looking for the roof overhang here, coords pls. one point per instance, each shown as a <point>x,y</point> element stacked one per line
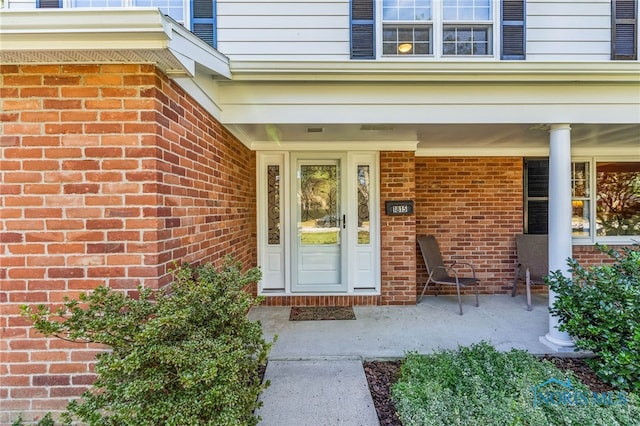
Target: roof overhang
<point>109,35</point>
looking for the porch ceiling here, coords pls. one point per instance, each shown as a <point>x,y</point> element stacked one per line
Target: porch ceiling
<point>444,139</point>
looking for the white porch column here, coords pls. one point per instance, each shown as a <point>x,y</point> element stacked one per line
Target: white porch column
<point>559,223</point>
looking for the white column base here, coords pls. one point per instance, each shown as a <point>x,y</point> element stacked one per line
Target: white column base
<point>562,346</point>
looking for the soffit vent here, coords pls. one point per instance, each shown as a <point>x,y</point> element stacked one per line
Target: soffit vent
<point>376,127</point>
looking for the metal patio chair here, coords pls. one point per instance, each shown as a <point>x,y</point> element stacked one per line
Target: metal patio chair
<point>440,274</point>
<point>533,262</point>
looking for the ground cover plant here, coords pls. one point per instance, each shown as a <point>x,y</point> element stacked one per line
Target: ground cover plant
<point>478,385</point>
<point>186,355</point>
<point>600,308</point>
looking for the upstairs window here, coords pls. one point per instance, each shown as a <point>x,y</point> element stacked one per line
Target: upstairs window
<point>467,27</point>
<point>173,8</point>
<point>407,27</point>
<point>201,22</point>
<point>96,3</point>
<point>438,28</point>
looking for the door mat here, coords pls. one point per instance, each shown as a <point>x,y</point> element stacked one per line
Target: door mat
<point>317,313</point>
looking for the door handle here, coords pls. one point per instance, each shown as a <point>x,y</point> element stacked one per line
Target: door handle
<point>344,221</point>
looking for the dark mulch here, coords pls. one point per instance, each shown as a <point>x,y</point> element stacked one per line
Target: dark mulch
<point>381,375</point>
<point>580,368</point>
<point>314,313</point>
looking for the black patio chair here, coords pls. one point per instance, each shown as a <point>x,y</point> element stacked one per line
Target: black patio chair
<point>441,274</point>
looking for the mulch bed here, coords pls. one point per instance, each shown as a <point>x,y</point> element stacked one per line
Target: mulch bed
<point>381,375</point>
<point>580,368</point>
<point>316,313</point>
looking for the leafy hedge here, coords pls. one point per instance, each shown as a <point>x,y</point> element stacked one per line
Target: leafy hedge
<point>600,308</point>
<point>187,355</point>
<point>478,385</point>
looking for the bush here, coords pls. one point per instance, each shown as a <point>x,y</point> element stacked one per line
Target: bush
<point>187,355</point>
<point>478,385</point>
<point>46,420</point>
<point>600,308</point>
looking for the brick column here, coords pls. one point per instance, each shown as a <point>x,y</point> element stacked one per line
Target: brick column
<point>398,233</point>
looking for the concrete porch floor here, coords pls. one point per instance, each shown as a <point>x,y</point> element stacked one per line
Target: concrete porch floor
<point>316,371</point>
<point>389,331</point>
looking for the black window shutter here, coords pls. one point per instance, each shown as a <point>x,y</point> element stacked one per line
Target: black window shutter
<point>536,195</point>
<point>49,4</point>
<point>513,29</point>
<point>624,29</point>
<point>363,29</point>
<point>203,20</point>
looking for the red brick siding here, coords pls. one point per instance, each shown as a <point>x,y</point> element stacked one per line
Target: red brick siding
<point>474,208</point>
<point>397,233</point>
<point>108,174</point>
<point>591,256</point>
<point>207,193</point>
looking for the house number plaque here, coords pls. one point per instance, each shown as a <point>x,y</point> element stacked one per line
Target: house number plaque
<point>399,208</point>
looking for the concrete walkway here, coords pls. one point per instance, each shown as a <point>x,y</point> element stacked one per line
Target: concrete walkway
<point>315,367</point>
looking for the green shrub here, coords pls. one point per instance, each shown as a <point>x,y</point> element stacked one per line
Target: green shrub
<point>600,308</point>
<point>187,355</point>
<point>478,385</point>
<point>46,420</point>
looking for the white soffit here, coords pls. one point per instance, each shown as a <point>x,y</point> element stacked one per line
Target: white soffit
<point>436,140</point>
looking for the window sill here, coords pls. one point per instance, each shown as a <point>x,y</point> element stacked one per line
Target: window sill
<point>608,242</point>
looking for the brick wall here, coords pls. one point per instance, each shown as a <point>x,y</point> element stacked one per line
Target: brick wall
<point>108,174</point>
<point>474,208</point>
<point>590,255</point>
<point>398,233</point>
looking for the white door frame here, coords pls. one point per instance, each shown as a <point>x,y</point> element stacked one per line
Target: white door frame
<point>361,261</point>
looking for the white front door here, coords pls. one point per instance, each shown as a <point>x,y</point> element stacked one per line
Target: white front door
<point>319,225</point>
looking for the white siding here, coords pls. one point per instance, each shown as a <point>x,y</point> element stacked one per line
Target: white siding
<point>283,30</point>
<point>568,30</point>
<point>288,30</point>
<point>20,4</point>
